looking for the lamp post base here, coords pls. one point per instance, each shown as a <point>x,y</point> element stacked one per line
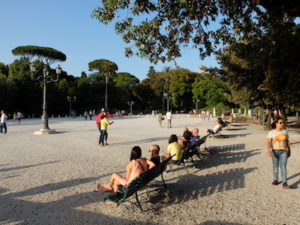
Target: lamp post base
<point>44,132</point>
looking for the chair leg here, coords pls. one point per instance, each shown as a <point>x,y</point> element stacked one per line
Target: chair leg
<point>162,177</point>
<point>192,159</point>
<point>138,204</point>
<point>198,155</point>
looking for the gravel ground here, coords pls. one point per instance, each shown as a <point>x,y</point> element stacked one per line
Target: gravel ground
<point>50,179</point>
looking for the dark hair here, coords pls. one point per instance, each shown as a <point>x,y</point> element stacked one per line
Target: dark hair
<point>187,135</point>
<point>136,153</point>
<point>103,116</point>
<point>276,120</point>
<point>220,121</point>
<point>157,147</point>
<point>173,138</point>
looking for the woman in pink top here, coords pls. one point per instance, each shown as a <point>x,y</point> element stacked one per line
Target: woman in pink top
<point>136,167</point>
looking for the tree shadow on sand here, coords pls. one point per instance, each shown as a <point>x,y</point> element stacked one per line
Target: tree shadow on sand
<point>24,167</point>
<point>137,142</point>
<point>17,208</point>
<point>219,223</point>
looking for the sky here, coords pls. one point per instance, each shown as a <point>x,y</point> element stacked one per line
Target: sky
<point>66,25</point>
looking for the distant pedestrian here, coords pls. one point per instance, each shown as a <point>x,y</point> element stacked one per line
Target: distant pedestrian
<point>278,147</point>
<point>91,114</point>
<point>160,118</point>
<point>169,119</point>
<point>203,116</point>
<point>85,114</point>
<point>3,119</point>
<point>15,117</point>
<point>19,117</point>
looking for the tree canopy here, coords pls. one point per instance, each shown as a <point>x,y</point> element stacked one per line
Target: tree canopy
<point>268,71</point>
<point>45,54</point>
<point>104,66</point>
<point>160,29</point>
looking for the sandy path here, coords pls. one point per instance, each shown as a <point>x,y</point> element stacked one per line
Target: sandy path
<point>50,179</point>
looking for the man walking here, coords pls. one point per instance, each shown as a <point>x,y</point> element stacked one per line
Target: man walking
<point>169,119</point>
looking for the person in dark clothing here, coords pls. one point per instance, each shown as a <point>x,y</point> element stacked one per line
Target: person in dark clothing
<point>154,154</point>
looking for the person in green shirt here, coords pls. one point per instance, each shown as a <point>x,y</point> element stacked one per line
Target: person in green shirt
<point>103,130</point>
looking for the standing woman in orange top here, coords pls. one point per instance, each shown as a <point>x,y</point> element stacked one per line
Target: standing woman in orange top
<point>278,147</point>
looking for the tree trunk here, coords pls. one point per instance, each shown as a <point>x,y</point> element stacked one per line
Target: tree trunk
<point>269,116</point>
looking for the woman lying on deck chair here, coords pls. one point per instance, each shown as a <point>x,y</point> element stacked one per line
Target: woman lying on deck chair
<point>217,128</point>
<point>136,167</point>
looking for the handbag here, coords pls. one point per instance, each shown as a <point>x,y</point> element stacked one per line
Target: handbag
<point>288,153</point>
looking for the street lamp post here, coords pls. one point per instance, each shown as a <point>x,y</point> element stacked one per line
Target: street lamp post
<point>45,78</point>
<point>106,81</point>
<point>131,103</point>
<point>167,97</point>
<point>71,99</point>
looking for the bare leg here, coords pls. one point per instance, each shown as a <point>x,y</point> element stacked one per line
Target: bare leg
<point>113,184</point>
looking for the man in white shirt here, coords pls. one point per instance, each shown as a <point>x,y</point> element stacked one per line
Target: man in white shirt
<point>169,119</point>
<point>3,127</point>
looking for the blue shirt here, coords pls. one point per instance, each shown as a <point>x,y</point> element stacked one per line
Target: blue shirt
<point>194,138</point>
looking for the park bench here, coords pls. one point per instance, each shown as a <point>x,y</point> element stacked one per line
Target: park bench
<point>137,184</point>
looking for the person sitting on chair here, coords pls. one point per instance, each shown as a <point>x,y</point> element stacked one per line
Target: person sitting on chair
<point>195,136</point>
<point>173,149</point>
<point>154,154</point>
<point>217,127</point>
<point>185,140</point>
<point>136,167</point>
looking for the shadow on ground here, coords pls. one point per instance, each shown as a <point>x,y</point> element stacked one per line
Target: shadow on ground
<point>17,210</point>
<point>295,184</point>
<point>219,223</point>
<point>227,158</point>
<point>24,167</point>
<point>137,142</point>
<point>192,187</point>
<point>226,148</point>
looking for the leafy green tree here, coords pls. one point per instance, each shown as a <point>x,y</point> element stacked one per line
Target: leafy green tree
<point>105,68</point>
<point>25,91</point>
<point>159,29</point>
<point>125,80</point>
<point>180,86</point>
<point>4,69</point>
<point>47,56</point>
<point>44,54</point>
<point>266,70</point>
<point>211,92</point>
<point>151,71</point>
<point>83,74</point>
<point>145,98</point>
